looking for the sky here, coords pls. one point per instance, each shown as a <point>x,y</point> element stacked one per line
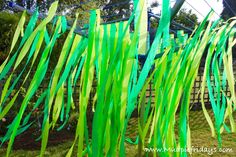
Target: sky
<point>200,5</point>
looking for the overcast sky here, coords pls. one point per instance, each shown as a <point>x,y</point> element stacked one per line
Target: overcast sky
<point>200,5</point>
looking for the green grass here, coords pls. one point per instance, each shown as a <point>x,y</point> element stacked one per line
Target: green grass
<point>54,151</point>
<point>200,136</point>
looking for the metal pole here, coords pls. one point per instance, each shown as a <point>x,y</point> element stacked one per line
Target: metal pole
<point>175,9</point>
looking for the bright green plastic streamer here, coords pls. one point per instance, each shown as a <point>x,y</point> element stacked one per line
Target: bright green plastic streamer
<point>108,60</point>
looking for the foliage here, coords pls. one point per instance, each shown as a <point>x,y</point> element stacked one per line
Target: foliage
<point>83,7</point>
<point>8,23</point>
<point>155,4</point>
<point>110,56</point>
<point>1,4</point>
<point>121,11</point>
<point>110,10</point>
<point>229,9</point>
<point>186,18</point>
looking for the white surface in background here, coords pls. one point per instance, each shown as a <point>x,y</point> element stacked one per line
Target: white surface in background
<point>200,5</point>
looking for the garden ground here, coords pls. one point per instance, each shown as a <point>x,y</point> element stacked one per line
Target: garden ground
<point>60,142</point>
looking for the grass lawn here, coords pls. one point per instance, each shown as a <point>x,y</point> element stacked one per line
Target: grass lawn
<point>200,133</point>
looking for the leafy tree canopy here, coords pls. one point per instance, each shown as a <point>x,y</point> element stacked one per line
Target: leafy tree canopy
<point>229,9</point>
<point>66,7</point>
<point>111,9</point>
<point>186,18</point>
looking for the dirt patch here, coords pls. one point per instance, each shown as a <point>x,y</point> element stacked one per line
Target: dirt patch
<point>28,139</point>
